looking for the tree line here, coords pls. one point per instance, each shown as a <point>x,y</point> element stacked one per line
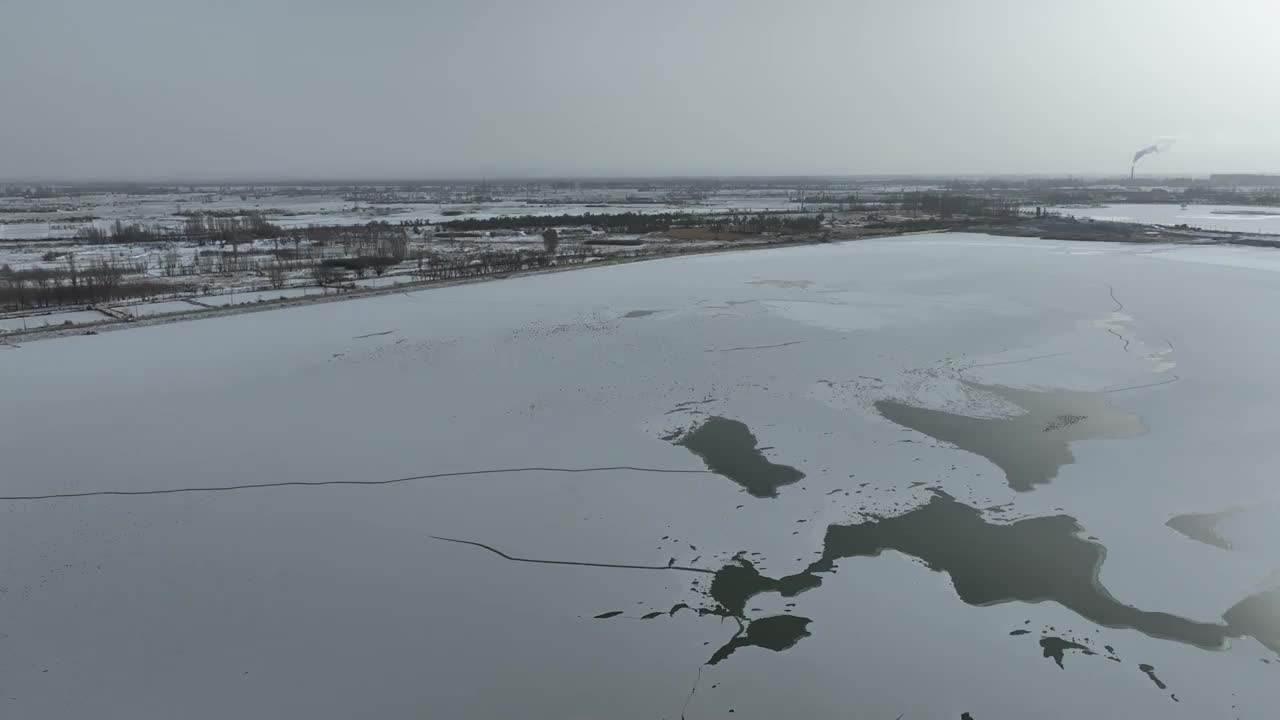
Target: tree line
<point>99,281</point>
<point>756,223</point>
<point>198,228</point>
<point>946,204</point>
<point>628,222</point>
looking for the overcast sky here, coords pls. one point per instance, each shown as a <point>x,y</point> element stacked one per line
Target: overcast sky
<point>262,89</point>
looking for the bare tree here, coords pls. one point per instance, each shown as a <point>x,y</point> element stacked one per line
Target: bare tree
<point>235,238</point>
<point>323,274</point>
<point>275,273</point>
<point>103,277</point>
<point>169,262</point>
<point>398,247</point>
<point>71,270</point>
<point>550,240</point>
<point>194,229</point>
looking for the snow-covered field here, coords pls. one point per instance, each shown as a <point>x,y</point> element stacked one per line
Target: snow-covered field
<point>49,319</point>
<point>165,307</point>
<point>384,281</point>
<point>225,299</point>
<point>1231,218</point>
<point>295,211</point>
<point>45,235</point>
<point>1012,422</point>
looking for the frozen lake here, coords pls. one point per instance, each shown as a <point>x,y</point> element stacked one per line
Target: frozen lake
<point>911,477</point>
<point>1233,218</point>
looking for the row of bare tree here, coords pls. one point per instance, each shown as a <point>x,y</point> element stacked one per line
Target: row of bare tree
<point>99,281</point>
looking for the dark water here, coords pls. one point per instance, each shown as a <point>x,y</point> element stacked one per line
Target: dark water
<point>728,448</point>
<point>640,313</point>
<point>1257,616</point>
<point>776,633</point>
<point>1201,527</point>
<point>731,587</point>
<point>1030,447</point>
<point>1031,560</point>
<point>1056,648</point>
<point>739,581</point>
<point>1150,672</point>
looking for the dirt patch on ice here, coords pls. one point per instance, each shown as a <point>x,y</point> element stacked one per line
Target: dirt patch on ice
<point>1029,446</point>
<point>1202,527</point>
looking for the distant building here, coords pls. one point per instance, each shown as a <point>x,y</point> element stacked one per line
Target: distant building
<point>1244,180</point>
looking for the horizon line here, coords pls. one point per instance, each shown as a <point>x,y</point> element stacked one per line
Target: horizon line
<point>535,178</point>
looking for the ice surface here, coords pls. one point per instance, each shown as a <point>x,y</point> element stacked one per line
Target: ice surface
<point>1234,218</point>
<point>324,602</point>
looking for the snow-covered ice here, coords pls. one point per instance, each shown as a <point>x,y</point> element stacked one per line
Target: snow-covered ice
<point>339,600</point>
<point>1232,218</point>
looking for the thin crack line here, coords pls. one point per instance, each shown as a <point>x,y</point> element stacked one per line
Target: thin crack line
<point>1173,379</point>
<point>1015,362</point>
<point>321,483</point>
<point>692,690</point>
<point>513,558</point>
<point>361,337</point>
<point>757,347</point>
<point>1119,305</point>
<point>1123,339</point>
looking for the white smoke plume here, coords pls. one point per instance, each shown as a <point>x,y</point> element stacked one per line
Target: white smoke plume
<point>1161,146</point>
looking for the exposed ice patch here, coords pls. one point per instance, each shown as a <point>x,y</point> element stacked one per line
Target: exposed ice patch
<point>936,388</point>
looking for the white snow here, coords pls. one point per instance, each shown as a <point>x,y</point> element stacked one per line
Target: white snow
<point>256,296</point>
<point>157,308</point>
<point>68,317</point>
